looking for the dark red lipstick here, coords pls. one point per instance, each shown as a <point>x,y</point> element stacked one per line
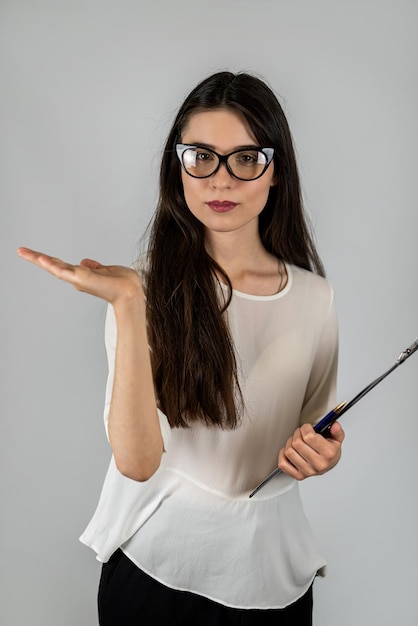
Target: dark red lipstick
<point>221,207</point>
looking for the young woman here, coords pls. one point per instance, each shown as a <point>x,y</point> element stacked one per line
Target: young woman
<point>222,348</point>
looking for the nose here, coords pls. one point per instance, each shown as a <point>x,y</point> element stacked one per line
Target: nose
<point>222,179</point>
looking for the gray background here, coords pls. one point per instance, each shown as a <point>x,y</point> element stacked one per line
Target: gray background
<point>88,91</point>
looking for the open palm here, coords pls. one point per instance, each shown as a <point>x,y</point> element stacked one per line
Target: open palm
<point>109,282</point>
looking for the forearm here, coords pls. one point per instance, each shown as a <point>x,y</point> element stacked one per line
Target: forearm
<point>133,425</point>
<point>134,430</point>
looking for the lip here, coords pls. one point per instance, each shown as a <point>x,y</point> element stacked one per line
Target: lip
<point>221,207</point>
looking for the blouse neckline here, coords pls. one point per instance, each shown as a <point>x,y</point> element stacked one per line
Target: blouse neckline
<point>273,296</point>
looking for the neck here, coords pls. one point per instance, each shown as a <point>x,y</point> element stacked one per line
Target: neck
<point>251,269</point>
<point>234,251</point>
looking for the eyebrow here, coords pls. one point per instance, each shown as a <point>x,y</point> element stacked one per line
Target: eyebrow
<point>209,146</point>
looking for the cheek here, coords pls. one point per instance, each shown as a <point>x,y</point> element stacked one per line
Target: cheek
<point>191,191</point>
<point>192,187</point>
<point>260,194</point>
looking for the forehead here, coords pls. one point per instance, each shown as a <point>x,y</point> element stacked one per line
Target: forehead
<point>221,129</point>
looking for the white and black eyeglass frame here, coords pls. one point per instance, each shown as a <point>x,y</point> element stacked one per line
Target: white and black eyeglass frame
<point>264,158</point>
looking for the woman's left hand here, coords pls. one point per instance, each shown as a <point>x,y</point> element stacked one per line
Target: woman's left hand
<point>307,453</point>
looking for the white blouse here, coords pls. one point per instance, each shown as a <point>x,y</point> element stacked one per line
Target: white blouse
<point>192,525</point>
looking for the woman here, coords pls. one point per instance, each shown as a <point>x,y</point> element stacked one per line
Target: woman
<point>215,378</point>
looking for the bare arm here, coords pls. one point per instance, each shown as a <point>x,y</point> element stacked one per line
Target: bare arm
<point>134,430</point>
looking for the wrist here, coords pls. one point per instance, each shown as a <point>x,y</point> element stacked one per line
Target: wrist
<point>130,301</point>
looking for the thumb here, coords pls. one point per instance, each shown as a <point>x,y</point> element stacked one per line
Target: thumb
<point>337,432</point>
<point>91,264</point>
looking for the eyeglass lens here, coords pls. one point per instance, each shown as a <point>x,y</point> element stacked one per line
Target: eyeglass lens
<point>245,164</point>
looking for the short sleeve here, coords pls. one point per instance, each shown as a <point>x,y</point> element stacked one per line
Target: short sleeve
<point>321,390</point>
<point>110,343</point>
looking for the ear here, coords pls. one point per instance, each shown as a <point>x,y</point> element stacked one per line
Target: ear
<point>274,181</point>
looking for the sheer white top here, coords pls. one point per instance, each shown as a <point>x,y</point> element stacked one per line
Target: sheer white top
<point>192,525</point>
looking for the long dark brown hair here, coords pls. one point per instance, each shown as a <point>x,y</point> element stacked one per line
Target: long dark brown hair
<point>192,353</point>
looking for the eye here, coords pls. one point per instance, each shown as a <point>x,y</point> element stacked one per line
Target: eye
<point>204,156</point>
<point>248,158</point>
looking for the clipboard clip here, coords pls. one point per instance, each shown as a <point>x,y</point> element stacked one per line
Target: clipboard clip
<point>407,352</point>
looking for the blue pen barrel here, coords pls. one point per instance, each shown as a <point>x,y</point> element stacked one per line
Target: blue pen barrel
<point>323,427</point>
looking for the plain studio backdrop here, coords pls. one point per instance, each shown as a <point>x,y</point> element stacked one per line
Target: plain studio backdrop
<point>88,91</point>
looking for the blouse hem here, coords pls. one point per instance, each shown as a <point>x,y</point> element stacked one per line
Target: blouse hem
<point>213,599</point>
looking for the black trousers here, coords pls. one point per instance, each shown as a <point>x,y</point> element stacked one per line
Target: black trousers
<point>129,597</point>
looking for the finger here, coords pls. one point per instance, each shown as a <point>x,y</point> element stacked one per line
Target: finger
<point>33,256</point>
<point>311,464</point>
<point>91,264</point>
<point>304,441</point>
<point>300,456</point>
<point>53,265</point>
<point>29,255</point>
<point>318,442</point>
<point>311,453</point>
<point>297,452</point>
<point>313,440</point>
<point>293,469</point>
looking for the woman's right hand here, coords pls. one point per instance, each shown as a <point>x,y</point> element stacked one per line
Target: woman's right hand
<point>113,283</point>
<point>133,426</point>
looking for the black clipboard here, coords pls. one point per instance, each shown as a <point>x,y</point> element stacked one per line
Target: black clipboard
<point>323,427</point>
